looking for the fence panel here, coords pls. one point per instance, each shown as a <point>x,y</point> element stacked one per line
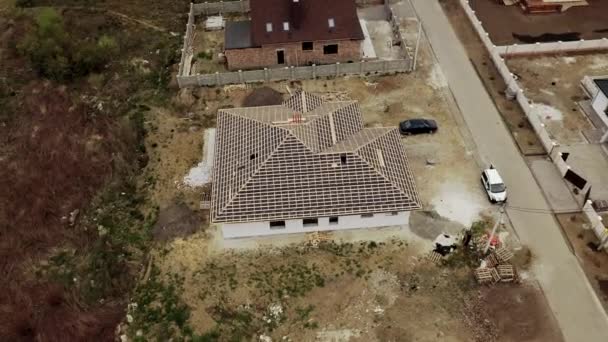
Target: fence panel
<point>553,47</point>
<point>253,76</point>
<point>211,8</point>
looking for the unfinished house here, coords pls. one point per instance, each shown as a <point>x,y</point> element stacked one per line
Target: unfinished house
<point>294,33</point>
<point>307,165</point>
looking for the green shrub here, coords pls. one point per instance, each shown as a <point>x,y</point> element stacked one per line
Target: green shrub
<point>55,55</point>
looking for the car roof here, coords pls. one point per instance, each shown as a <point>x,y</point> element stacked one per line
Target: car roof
<point>493,176</point>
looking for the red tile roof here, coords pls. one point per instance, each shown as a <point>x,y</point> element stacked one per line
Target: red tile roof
<point>308,21</point>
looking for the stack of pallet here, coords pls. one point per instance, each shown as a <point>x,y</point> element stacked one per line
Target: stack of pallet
<point>496,268</point>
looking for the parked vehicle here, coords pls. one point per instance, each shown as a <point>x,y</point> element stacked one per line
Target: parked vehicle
<point>417,126</point>
<point>494,186</point>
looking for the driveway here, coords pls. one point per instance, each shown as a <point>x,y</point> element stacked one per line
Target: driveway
<point>570,296</point>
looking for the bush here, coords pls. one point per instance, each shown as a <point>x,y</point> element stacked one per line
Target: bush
<point>56,56</point>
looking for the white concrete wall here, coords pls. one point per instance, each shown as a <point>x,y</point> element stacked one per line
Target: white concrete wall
<point>237,230</point>
<point>600,103</point>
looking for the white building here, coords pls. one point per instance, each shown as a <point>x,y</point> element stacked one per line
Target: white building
<point>307,165</point>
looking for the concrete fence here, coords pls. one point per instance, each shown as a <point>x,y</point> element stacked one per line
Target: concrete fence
<point>514,90</point>
<point>553,47</point>
<point>597,225</point>
<point>380,67</point>
<point>211,8</point>
<point>396,28</point>
<point>242,6</point>
<point>187,50</point>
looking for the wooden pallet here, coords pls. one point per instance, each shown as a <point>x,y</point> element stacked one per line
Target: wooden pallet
<point>492,260</point>
<point>434,257</point>
<point>495,275</point>
<point>507,273</point>
<point>503,254</point>
<point>205,201</point>
<point>487,275</point>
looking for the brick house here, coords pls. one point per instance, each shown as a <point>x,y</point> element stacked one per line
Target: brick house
<point>294,33</point>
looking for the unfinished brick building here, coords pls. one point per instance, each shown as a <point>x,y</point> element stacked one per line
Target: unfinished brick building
<point>307,165</point>
<point>294,33</point>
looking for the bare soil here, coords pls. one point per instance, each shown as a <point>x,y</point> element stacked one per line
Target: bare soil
<point>263,97</point>
<point>177,220</point>
<point>555,81</point>
<point>584,242</point>
<point>504,22</point>
<point>514,117</point>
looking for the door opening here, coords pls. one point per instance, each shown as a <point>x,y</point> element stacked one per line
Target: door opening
<point>280,57</point>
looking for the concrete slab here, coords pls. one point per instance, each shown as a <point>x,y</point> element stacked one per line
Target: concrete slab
<point>553,185</point>
<point>591,162</point>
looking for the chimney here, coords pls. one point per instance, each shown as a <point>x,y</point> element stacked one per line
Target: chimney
<point>295,13</point>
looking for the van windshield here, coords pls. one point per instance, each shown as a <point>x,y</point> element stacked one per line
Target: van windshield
<point>497,188</point>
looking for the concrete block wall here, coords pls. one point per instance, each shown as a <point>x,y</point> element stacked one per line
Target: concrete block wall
<point>597,225</point>
<point>296,73</point>
<point>211,8</point>
<point>242,6</point>
<point>553,47</point>
<point>266,56</point>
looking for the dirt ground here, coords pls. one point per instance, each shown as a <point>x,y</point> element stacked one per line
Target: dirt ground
<point>514,117</point>
<point>207,45</point>
<point>584,242</point>
<point>503,22</point>
<point>554,81</point>
<point>351,291</point>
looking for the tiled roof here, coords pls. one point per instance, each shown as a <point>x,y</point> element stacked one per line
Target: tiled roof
<point>279,162</point>
<point>308,20</point>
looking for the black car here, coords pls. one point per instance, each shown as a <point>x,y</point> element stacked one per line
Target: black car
<point>417,126</point>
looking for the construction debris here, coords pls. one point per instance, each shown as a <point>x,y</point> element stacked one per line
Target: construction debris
<point>315,238</point>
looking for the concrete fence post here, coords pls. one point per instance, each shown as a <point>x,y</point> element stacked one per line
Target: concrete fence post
<point>361,68</point>
<point>217,78</point>
<point>580,42</point>
<point>292,73</point>
<point>314,71</point>
<point>241,77</point>
<point>222,7</point>
<point>385,66</point>
<point>337,69</point>
<point>266,74</point>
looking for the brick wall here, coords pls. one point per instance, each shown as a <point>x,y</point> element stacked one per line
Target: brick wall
<point>266,56</point>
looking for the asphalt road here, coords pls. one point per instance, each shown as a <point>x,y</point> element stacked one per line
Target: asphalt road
<point>573,302</point>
